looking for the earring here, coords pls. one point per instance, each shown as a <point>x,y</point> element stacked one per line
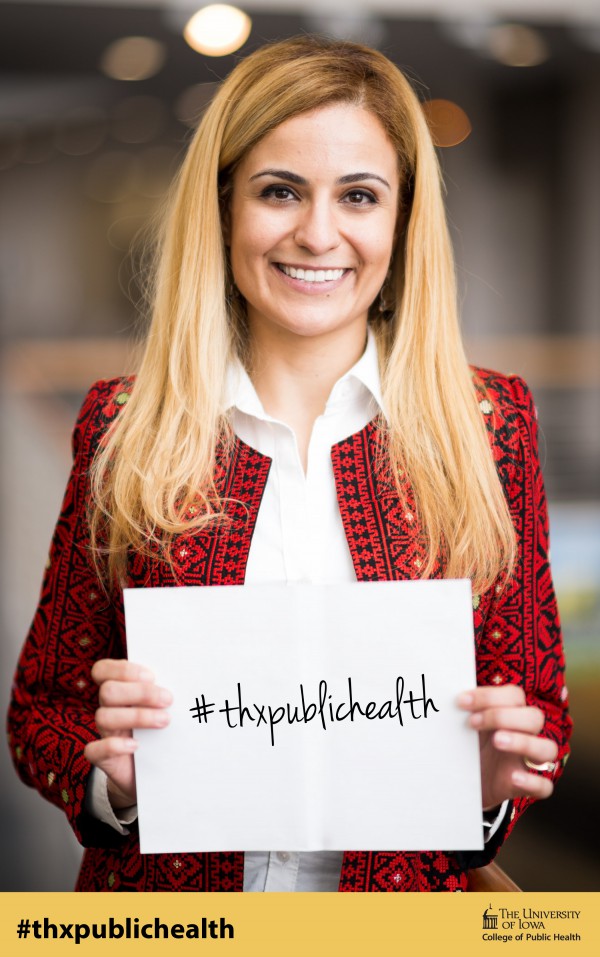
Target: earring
<point>386,305</point>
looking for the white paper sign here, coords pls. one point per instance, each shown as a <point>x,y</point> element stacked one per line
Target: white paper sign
<point>308,717</point>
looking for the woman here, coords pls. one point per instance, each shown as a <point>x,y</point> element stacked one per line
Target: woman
<point>305,293</point>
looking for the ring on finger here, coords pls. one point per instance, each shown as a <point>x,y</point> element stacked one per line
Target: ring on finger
<point>544,766</point>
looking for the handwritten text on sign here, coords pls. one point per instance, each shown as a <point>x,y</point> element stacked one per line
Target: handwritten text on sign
<point>308,717</point>
<point>238,715</point>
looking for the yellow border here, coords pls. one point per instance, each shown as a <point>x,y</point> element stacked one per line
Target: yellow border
<point>314,925</point>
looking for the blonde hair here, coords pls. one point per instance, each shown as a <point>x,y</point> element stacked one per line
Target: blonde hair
<point>153,477</point>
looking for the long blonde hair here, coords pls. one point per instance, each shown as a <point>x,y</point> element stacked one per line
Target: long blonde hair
<point>159,458</point>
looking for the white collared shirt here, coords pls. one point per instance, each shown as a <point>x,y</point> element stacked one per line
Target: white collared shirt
<point>299,537</point>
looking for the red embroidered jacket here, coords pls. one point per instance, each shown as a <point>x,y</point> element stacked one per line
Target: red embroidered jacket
<point>51,716</point>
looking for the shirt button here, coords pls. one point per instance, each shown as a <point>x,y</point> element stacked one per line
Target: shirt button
<point>283,856</point>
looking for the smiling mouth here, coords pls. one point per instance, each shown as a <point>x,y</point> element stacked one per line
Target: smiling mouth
<point>311,275</point>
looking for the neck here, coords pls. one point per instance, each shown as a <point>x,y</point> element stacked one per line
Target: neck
<point>294,379</point>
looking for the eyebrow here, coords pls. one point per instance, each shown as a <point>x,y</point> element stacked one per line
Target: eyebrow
<point>301,181</point>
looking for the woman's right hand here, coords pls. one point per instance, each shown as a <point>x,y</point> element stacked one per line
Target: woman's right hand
<point>129,699</point>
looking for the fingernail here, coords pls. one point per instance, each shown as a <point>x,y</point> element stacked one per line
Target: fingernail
<point>162,718</point>
<point>519,778</point>
<point>465,700</point>
<point>145,675</point>
<point>164,696</point>
<point>476,720</point>
<point>130,744</point>
<point>502,739</point>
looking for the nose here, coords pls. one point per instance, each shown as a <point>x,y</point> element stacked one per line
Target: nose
<point>317,228</point>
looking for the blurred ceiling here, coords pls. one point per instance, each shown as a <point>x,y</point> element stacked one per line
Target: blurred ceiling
<point>557,10</point>
<point>45,46</point>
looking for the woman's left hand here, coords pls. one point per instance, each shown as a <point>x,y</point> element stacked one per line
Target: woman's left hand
<point>508,735</point>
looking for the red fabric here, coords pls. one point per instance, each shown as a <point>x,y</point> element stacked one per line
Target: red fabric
<point>51,716</point>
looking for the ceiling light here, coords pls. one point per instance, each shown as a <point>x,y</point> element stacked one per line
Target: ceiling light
<point>133,58</point>
<point>512,44</point>
<point>516,45</point>
<point>217,30</point>
<point>448,122</point>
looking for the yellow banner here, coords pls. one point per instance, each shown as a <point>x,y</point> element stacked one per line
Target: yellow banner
<point>301,925</point>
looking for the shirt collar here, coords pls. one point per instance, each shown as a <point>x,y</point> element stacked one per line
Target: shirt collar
<point>365,372</point>
<point>240,393</point>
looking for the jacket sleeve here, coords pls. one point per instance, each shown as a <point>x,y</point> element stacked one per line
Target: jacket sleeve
<point>51,715</point>
<point>520,641</point>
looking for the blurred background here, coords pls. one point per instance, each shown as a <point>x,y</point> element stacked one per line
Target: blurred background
<point>98,99</point>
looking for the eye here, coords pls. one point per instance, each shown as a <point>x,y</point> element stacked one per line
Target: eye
<point>278,192</point>
<point>360,197</point>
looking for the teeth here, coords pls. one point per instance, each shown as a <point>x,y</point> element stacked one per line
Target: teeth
<point>312,275</point>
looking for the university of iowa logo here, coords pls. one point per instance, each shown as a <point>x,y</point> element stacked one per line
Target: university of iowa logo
<point>490,921</point>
